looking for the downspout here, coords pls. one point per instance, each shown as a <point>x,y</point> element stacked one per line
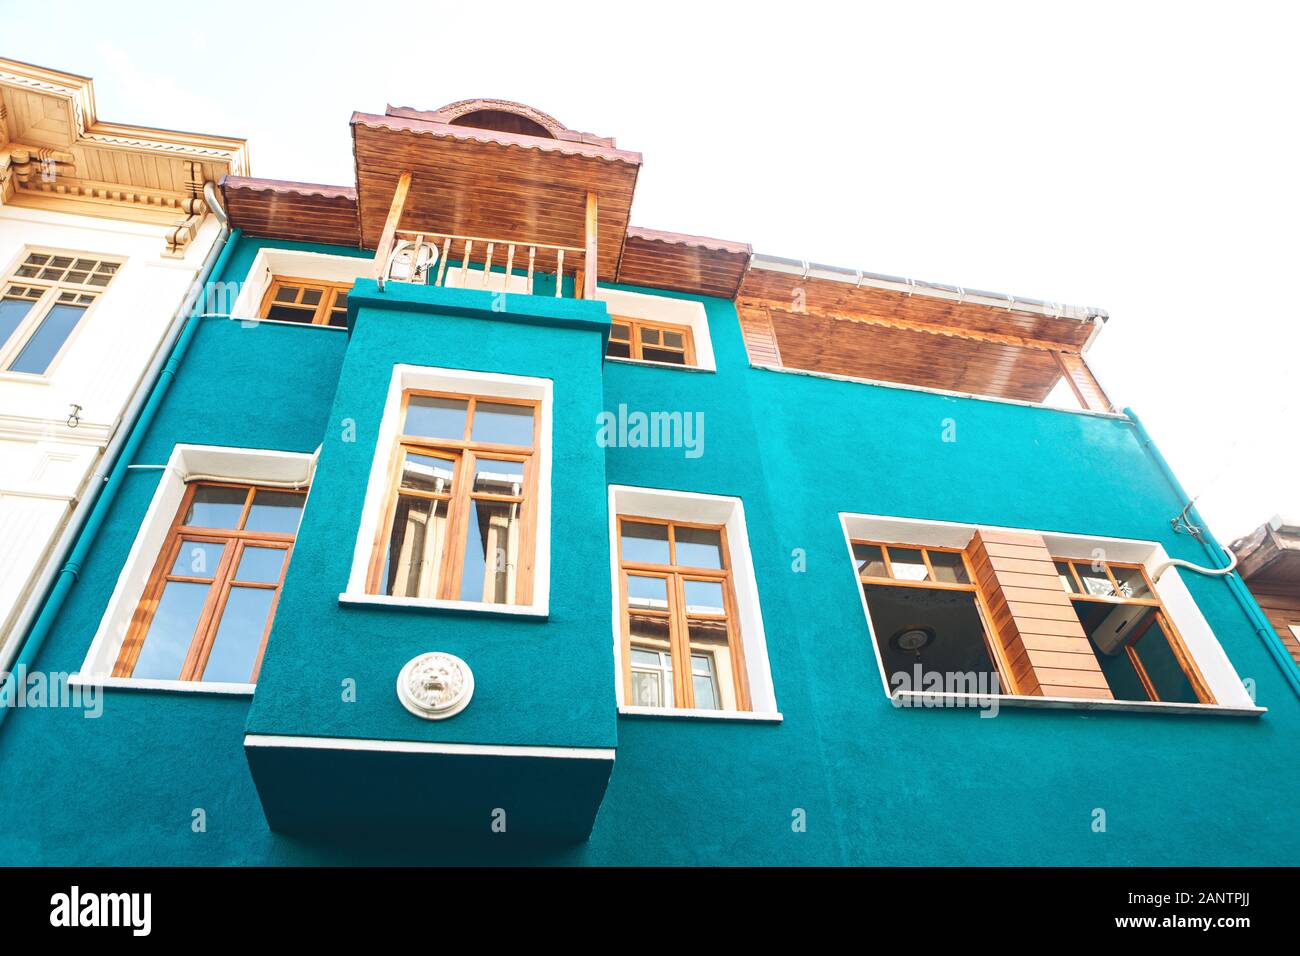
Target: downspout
<point>87,518</point>
<point>1216,552</point>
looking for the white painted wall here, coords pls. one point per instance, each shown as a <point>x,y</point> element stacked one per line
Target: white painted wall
<point>44,464</point>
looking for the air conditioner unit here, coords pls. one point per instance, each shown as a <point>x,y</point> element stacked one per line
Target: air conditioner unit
<point>411,262</point>
<point>1117,628</point>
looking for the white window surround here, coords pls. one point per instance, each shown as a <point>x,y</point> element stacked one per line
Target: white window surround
<point>186,463</point>
<point>291,263</point>
<point>705,509</point>
<point>1219,674</point>
<point>661,308</point>
<point>489,384</point>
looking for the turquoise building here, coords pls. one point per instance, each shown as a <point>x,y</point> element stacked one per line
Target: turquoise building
<point>469,523</point>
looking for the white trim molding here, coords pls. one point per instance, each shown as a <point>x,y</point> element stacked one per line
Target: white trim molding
<point>668,310</point>
<point>704,509</point>
<point>1220,676</point>
<point>488,385</point>
<point>423,747</point>
<point>186,463</point>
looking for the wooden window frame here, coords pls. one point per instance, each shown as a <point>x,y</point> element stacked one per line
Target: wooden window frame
<point>460,498</point>
<point>635,345</point>
<point>51,292</point>
<point>678,617</point>
<point>1162,619</point>
<point>330,292</point>
<point>234,541</point>
<point>995,650</point>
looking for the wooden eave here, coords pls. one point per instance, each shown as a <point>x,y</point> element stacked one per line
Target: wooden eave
<point>500,186</point>
<point>838,328</point>
<point>1269,557</point>
<point>117,170</point>
<point>301,212</point>
<point>683,263</point>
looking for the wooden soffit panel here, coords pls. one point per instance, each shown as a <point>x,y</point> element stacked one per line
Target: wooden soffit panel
<point>672,260</point>
<point>782,290</point>
<point>1269,557</point>
<point>303,212</point>
<point>53,148</point>
<point>492,185</point>
<point>819,343</point>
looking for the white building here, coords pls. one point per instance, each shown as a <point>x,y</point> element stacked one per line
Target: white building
<point>103,230</point>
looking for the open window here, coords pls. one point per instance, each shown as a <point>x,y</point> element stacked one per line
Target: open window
<point>1057,620</point>
<point>1136,644</point>
<point>926,614</point>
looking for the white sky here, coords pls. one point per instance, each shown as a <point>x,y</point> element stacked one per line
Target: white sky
<point>1143,160</point>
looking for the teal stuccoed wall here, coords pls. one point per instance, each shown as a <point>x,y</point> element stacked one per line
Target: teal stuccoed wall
<point>876,784</point>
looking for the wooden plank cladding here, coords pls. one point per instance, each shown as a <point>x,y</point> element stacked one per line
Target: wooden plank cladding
<point>913,338</point>
<point>1032,617</point>
<point>760,337</point>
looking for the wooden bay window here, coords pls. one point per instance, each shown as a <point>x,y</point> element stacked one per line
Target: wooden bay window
<point>208,606</point>
<point>460,516</point>
<point>680,638</point>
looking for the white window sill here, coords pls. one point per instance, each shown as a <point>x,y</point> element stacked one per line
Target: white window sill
<point>251,321</point>
<point>923,700</point>
<point>28,378</point>
<point>673,365</point>
<point>535,612</point>
<point>184,686</point>
<point>625,710</point>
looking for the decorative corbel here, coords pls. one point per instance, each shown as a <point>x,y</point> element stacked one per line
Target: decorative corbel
<point>182,234</point>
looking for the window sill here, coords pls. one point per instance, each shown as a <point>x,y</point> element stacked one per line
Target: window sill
<point>625,710</point>
<point>679,368</point>
<point>528,612</point>
<point>28,378</point>
<point>919,699</point>
<point>249,321</point>
<point>184,686</point>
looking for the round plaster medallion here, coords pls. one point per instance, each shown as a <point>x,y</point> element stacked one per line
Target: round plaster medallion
<point>435,685</point>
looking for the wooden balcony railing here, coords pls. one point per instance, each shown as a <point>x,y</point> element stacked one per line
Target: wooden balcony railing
<point>467,262</point>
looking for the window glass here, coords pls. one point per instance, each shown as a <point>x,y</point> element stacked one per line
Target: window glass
<point>645,543</point>
<point>1095,582</point>
<point>498,477</point>
<point>646,592</point>
<point>1132,583</point>
<point>275,512</point>
<point>1067,577</point>
<point>216,507</point>
<point>703,597</point>
<point>12,312</point>
<point>198,559</point>
<point>260,565</point>
<point>171,631</point>
<point>430,417</point>
<point>491,552</point>
<point>415,546</point>
<point>502,424</point>
<point>698,547</point>
<point>870,560</point>
<point>48,339</point>
<point>239,635</point>
<point>431,473</point>
<point>710,662</point>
